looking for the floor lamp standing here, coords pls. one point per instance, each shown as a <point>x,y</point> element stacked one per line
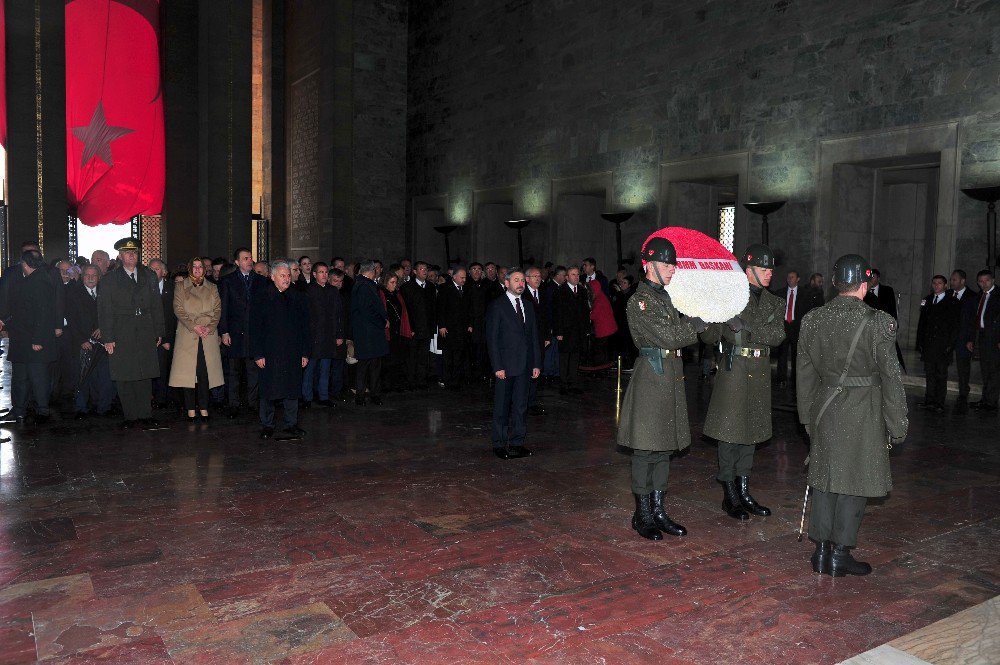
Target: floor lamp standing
<point>618,218</point>
<point>519,224</point>
<point>990,196</point>
<point>764,209</point>
<point>445,231</point>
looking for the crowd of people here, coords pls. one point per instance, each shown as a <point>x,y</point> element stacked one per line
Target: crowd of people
<point>111,336</point>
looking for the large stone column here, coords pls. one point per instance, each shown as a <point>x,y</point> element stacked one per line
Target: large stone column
<point>224,120</point>
<point>275,207</point>
<point>36,124</point>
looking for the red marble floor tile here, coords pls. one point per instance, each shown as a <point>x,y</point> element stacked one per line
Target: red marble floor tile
<point>147,649</point>
<point>79,626</point>
<point>260,637</point>
<point>371,651</point>
<point>442,642</point>
<point>17,640</point>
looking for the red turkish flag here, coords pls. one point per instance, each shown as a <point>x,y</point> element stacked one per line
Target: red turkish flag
<point>114,110</point>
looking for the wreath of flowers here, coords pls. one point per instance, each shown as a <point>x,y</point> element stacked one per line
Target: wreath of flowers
<point>708,282</point>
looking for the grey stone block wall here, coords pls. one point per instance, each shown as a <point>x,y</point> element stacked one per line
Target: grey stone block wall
<point>517,93</point>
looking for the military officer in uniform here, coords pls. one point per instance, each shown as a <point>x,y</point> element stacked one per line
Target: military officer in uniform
<point>739,414</point>
<point>654,419</point>
<point>130,317</point>
<point>851,401</point>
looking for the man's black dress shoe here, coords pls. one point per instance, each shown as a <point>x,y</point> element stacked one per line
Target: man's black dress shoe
<point>501,453</point>
<point>536,411</point>
<point>127,424</point>
<point>294,431</point>
<point>80,415</point>
<point>377,401</point>
<point>520,451</point>
<point>266,432</point>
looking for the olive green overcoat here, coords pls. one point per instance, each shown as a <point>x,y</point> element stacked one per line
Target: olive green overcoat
<point>130,314</point>
<point>848,452</point>
<point>740,408</point>
<point>654,412</point>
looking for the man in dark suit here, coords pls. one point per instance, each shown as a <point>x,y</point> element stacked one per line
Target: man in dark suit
<point>95,388</point>
<point>798,302</point>
<point>591,273</point>
<point>368,327</point>
<point>542,303</point>
<point>161,389</point>
<point>986,340</point>
<point>967,300</point>
<point>454,328</point>
<point>516,359</point>
<point>570,325</point>
<point>419,298</point>
<point>937,334</point>
<point>28,314</point>
<point>236,291</point>
<point>883,298</point>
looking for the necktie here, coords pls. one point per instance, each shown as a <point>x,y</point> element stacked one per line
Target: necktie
<point>133,278</point>
<point>982,306</point>
<point>517,306</point>
<point>790,311</point>
<point>534,296</point>
<point>460,289</point>
<point>93,294</point>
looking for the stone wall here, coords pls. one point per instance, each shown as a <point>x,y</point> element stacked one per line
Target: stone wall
<point>518,93</point>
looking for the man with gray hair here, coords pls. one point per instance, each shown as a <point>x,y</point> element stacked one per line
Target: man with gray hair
<point>279,345</point>
<point>101,259</point>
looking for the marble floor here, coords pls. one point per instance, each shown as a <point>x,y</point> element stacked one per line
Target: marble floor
<point>392,534</point>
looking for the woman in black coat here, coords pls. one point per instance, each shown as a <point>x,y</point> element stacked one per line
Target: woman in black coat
<point>399,334</point>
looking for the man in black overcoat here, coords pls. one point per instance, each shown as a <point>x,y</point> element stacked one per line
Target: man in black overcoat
<point>967,299</point>
<point>94,388</point>
<point>454,328</point>
<point>165,352</point>
<point>29,323</point>
<point>279,345</point>
<point>937,334</point>
<point>985,339</point>
<point>236,291</point>
<point>368,326</point>
<point>570,325</point>
<point>516,358</point>
<point>326,330</point>
<point>419,298</point>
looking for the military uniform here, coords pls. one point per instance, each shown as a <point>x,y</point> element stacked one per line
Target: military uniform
<point>739,414</point>
<point>130,314</point>
<point>852,404</point>
<point>654,419</point>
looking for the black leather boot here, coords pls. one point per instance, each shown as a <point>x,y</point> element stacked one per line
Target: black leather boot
<point>754,508</point>
<point>731,501</point>
<point>842,563</point>
<point>642,519</point>
<point>821,557</point>
<point>660,518</point>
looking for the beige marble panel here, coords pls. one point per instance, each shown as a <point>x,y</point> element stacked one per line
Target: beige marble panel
<point>971,637</point>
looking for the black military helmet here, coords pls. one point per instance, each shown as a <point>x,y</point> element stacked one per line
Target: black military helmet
<point>851,269</point>
<point>758,256</point>
<point>659,249</point>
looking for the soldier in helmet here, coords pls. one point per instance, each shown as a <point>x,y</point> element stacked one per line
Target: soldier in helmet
<point>851,401</point>
<point>654,420</point>
<point>739,414</point>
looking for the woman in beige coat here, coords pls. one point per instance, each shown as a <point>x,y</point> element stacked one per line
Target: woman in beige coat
<point>197,364</point>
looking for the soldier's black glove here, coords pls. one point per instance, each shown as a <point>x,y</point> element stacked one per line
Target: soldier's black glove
<point>699,325</point>
<point>896,440</point>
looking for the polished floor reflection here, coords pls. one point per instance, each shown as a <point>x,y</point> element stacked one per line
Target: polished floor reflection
<point>392,534</point>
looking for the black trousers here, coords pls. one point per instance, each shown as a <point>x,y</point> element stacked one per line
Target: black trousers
<point>836,517</point>
<point>30,380</point>
<point>735,459</point>
<point>199,393</point>
<point>510,403</point>
<point>456,362</point>
<point>936,372</point>
<point>989,361</point>
<point>787,351</point>
<point>65,370</point>
<point>569,368</point>
<point>964,366</point>
<point>161,387</point>
<point>368,375</point>
<point>418,361</point>
<point>650,470</point>
<point>478,359</point>
<point>136,398</point>
<point>234,369</point>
